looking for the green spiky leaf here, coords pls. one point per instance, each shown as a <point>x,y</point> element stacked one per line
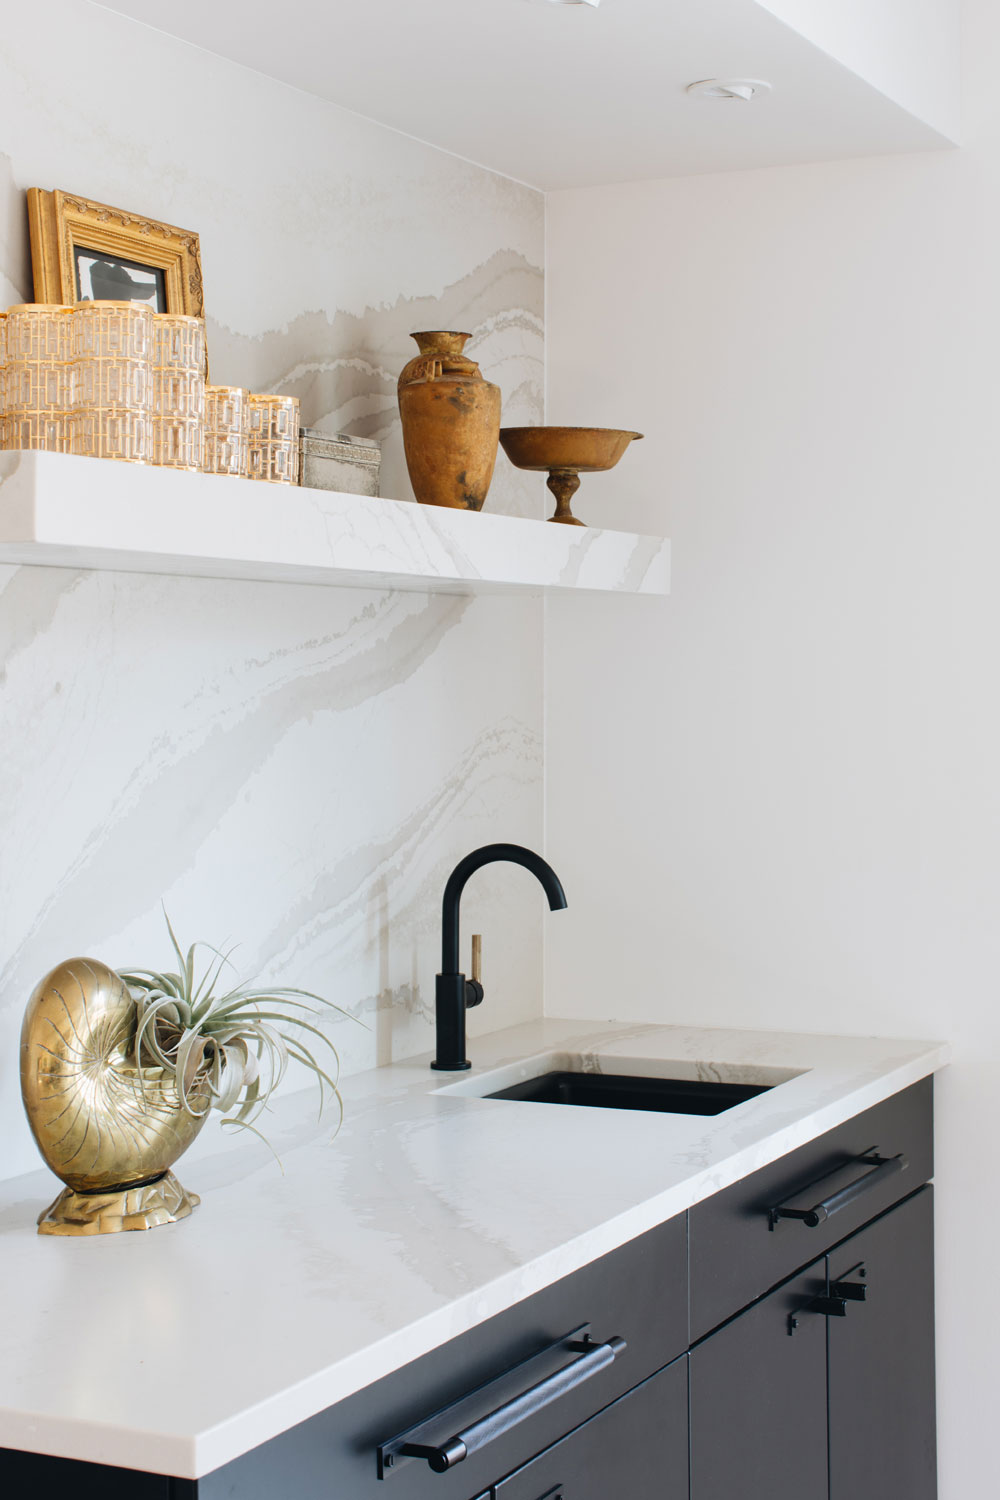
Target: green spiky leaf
<point>227,1051</point>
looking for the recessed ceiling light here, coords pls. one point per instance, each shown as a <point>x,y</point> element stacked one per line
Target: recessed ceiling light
<point>730,88</point>
<point>594,3</point>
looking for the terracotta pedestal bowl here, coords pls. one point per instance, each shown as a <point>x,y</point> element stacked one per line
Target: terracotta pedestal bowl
<point>564,453</point>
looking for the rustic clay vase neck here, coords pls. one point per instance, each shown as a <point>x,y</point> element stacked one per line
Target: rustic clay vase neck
<point>441,342</point>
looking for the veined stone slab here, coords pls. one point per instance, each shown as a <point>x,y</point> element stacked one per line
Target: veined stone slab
<point>58,510</point>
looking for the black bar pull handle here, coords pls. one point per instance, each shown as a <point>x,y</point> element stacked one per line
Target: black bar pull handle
<point>849,1291</point>
<point>830,1307</point>
<point>881,1168</point>
<point>444,1454</point>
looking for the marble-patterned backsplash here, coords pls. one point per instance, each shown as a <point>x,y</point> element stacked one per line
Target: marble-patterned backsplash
<point>344,367</point>
<point>290,768</point>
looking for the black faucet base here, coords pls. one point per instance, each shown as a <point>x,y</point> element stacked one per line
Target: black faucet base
<point>449,1005</point>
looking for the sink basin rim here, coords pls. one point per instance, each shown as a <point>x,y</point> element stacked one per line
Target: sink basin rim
<point>702,1097</point>
<point>521,1070</point>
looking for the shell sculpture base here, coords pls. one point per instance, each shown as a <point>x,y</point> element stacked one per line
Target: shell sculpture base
<point>145,1207</point>
<point>109,1129</point>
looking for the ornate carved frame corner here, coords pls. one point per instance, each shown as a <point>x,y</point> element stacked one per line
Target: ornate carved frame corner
<point>60,221</point>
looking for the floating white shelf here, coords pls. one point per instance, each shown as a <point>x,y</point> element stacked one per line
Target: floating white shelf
<point>60,511</point>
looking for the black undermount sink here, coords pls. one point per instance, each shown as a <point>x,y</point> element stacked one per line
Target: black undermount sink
<point>669,1096</point>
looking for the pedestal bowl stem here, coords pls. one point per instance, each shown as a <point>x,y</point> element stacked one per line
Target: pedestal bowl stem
<point>564,484</point>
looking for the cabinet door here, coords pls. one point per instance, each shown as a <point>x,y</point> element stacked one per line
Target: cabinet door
<point>758,1400</point>
<point>636,1449</point>
<point>882,1359</point>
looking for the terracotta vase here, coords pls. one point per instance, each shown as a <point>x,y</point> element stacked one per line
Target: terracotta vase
<point>451,423</point>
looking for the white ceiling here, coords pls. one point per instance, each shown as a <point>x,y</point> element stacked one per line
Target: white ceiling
<point>561,95</point>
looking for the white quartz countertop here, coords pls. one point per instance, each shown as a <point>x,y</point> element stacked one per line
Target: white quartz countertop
<point>181,1348</point>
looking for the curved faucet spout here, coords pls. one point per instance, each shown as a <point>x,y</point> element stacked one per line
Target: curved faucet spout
<point>489,854</point>
<point>454,994</point>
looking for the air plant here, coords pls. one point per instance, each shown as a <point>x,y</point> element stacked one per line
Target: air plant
<point>226,1050</point>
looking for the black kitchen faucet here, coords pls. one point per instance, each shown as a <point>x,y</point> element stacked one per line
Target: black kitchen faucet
<point>454,993</point>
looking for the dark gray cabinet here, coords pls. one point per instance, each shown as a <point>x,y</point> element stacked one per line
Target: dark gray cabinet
<point>824,1389</point>
<point>776,1356</point>
<point>739,1250</point>
<point>758,1401</point>
<point>636,1449</point>
<point>881,1359</point>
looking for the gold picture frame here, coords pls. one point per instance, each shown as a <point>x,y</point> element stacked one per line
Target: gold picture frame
<point>126,255</point>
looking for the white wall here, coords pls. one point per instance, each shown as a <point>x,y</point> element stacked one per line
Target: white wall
<point>294,769</point>
<point>787,811</point>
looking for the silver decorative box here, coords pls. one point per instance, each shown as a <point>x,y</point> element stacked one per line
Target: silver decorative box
<point>335,461</point>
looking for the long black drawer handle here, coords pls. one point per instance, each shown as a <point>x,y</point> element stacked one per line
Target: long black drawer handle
<point>442,1456</point>
<point>881,1168</point>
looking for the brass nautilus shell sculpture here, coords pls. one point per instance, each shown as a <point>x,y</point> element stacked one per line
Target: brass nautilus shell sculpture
<point>109,1128</point>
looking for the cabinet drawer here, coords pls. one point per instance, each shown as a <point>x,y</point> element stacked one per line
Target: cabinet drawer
<point>739,1249</point>
<point>638,1447</point>
<point>637,1293</point>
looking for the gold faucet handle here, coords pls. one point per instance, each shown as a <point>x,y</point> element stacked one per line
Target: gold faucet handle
<point>477,957</point>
